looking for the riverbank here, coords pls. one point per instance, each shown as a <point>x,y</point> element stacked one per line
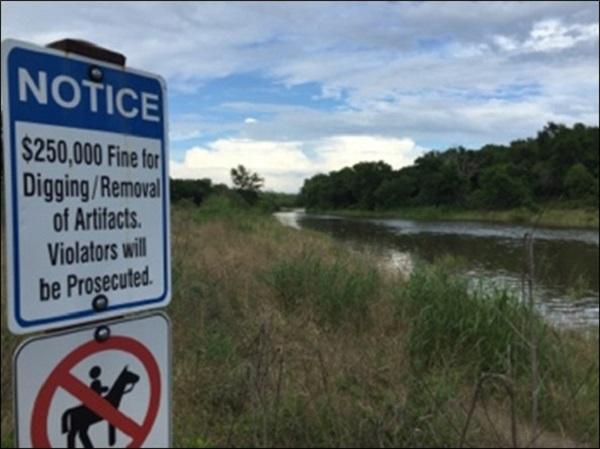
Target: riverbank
<point>550,216</point>
<point>283,338</point>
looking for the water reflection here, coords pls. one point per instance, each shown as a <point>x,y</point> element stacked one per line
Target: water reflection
<point>567,264</point>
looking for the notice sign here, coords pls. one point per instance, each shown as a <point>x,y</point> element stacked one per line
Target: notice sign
<point>87,194</point>
<point>75,391</point>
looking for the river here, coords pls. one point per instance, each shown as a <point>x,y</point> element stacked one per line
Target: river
<point>566,260</point>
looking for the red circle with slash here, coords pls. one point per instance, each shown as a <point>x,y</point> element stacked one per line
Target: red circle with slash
<point>61,377</point>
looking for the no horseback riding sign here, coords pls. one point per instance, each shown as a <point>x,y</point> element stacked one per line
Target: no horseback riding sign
<point>77,390</point>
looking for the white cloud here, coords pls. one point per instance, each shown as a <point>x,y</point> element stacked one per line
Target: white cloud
<point>343,151</point>
<point>282,164</point>
<point>554,35</point>
<point>285,165</point>
<point>418,69</point>
<point>506,43</point>
<point>250,120</point>
<point>550,35</point>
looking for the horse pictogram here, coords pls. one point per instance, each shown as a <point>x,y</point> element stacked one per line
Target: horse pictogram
<point>77,420</point>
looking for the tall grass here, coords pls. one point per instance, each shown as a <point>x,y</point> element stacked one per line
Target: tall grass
<point>336,291</point>
<point>285,338</point>
<point>455,329</point>
<point>466,326</point>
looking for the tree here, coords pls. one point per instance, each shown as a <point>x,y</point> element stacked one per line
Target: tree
<point>244,180</point>
<point>501,189</point>
<point>196,190</point>
<point>312,192</point>
<point>398,191</point>
<point>559,162</point>
<point>579,182</point>
<point>366,179</point>
<point>441,184</point>
<point>246,183</point>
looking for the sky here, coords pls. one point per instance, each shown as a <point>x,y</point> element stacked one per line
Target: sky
<point>291,89</point>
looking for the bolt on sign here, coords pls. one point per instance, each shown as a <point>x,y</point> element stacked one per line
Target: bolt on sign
<point>87,194</point>
<point>74,389</point>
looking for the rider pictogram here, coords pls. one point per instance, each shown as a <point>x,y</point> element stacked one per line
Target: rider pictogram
<point>76,421</point>
<point>96,384</point>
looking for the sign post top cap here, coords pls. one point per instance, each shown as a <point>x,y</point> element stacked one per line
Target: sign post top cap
<point>85,48</point>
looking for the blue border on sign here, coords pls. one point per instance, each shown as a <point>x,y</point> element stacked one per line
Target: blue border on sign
<point>15,220</point>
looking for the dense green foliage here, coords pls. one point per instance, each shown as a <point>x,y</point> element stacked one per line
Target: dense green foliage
<point>559,163</point>
<point>198,191</point>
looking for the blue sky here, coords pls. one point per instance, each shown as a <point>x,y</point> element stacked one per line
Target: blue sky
<point>293,89</point>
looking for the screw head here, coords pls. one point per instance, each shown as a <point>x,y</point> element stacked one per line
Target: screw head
<point>101,334</point>
<point>100,303</point>
<point>96,74</point>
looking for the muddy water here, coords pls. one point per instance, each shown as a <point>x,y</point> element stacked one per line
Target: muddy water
<point>567,266</point>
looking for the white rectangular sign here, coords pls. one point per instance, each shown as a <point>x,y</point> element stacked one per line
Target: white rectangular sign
<point>87,188</point>
<point>74,390</point>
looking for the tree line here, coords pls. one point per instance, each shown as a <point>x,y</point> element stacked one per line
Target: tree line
<point>246,191</point>
<point>559,164</point>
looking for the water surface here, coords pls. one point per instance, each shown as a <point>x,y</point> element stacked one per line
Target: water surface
<point>566,260</point>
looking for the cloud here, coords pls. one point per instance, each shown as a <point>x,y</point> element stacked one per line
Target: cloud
<point>285,165</point>
<point>343,151</point>
<point>188,126</point>
<point>448,72</point>
<point>431,119</point>
<point>550,35</point>
<point>272,38</point>
<point>250,120</point>
<point>282,164</point>
<point>506,43</point>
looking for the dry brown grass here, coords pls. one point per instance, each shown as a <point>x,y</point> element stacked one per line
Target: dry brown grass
<point>289,380</point>
<point>273,365</point>
<point>250,370</point>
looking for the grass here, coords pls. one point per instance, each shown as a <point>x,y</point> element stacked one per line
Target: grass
<point>455,330</point>
<point>283,338</point>
<point>553,215</point>
<point>336,292</point>
<point>478,326</point>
